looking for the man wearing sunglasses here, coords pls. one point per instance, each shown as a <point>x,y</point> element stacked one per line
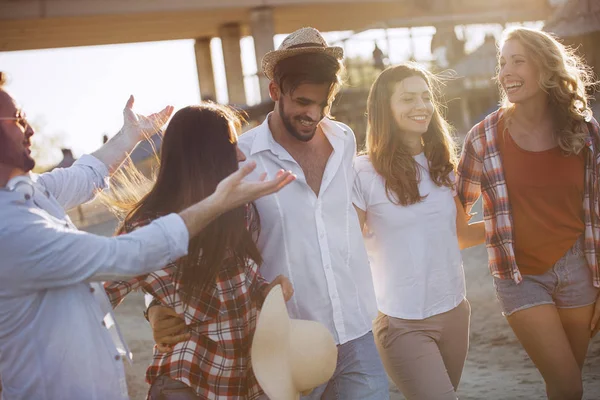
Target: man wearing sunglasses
<point>58,337</point>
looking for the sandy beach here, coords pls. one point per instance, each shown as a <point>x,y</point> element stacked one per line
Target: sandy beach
<point>497,367</point>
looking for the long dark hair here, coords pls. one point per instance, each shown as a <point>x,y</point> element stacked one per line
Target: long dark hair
<point>199,150</point>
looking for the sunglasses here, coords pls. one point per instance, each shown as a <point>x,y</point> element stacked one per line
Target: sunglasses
<point>19,118</point>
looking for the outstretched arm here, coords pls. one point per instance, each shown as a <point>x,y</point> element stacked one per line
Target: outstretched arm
<point>78,184</point>
<point>50,255</point>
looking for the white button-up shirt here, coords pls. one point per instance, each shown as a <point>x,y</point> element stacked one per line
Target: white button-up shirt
<point>315,240</point>
<point>58,339</point>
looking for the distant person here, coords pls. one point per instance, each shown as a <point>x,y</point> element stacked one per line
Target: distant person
<point>414,228</point>
<point>67,159</point>
<point>378,58</point>
<point>310,233</point>
<point>217,287</point>
<point>58,337</point>
<point>535,161</point>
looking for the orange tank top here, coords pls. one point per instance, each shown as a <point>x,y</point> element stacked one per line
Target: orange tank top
<point>545,190</point>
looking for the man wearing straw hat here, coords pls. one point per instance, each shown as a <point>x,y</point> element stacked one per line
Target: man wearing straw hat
<point>310,232</point>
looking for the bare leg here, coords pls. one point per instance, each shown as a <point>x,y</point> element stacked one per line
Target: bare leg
<point>541,332</point>
<point>576,323</point>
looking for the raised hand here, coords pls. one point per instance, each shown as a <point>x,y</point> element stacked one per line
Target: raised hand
<point>233,191</point>
<point>138,127</point>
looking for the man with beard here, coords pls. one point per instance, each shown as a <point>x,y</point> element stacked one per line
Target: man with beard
<point>58,337</point>
<point>310,232</point>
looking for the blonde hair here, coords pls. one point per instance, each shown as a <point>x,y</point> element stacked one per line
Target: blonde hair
<point>386,149</point>
<point>564,77</point>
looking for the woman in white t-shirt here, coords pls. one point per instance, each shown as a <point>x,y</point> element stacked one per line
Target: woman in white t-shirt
<point>414,227</point>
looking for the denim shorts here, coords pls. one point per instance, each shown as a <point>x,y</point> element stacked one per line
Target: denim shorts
<point>568,284</point>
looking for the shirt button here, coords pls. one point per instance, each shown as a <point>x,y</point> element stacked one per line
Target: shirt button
<point>117,357</point>
<point>27,197</point>
<point>92,290</point>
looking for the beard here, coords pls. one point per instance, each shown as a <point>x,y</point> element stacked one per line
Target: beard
<point>287,122</point>
<point>12,156</point>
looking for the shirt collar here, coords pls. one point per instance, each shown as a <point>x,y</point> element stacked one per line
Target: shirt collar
<point>264,137</point>
<point>16,181</point>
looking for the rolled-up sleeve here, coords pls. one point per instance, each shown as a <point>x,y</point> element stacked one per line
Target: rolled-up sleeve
<point>39,253</point>
<point>76,184</point>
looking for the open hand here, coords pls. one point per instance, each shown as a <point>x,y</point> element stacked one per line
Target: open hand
<point>233,191</point>
<point>138,127</point>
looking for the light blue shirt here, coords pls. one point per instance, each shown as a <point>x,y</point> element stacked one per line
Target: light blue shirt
<point>58,339</point>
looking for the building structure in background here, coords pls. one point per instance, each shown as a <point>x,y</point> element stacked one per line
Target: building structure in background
<point>577,23</point>
<point>472,93</point>
<point>40,24</point>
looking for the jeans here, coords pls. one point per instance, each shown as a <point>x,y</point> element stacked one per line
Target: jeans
<point>359,374</point>
<point>165,388</point>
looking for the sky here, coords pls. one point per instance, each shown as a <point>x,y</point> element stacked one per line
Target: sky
<point>76,95</point>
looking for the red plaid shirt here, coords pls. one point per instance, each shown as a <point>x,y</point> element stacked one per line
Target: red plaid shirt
<point>480,173</point>
<point>215,362</point>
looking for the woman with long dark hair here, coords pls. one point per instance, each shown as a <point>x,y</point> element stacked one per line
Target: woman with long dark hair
<point>217,287</point>
<point>414,227</point>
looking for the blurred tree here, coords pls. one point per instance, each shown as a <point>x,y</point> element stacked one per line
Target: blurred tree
<point>45,147</point>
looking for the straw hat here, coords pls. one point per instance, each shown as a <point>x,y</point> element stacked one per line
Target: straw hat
<point>290,357</point>
<point>304,40</point>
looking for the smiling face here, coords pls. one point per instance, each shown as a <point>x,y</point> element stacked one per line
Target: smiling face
<point>15,136</point>
<point>518,75</point>
<point>412,105</point>
<point>302,109</point>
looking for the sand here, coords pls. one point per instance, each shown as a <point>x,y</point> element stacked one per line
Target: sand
<point>496,368</point>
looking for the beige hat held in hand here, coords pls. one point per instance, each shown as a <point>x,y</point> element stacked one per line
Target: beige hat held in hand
<point>290,357</point>
<point>304,40</point>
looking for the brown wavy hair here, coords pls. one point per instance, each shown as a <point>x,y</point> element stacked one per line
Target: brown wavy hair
<point>198,151</point>
<point>565,79</point>
<point>318,68</point>
<point>386,149</point>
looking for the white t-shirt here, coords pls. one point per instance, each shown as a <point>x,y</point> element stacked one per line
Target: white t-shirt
<point>413,250</point>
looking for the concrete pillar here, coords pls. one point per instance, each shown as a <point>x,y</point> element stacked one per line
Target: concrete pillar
<point>232,56</point>
<point>263,31</point>
<point>206,76</point>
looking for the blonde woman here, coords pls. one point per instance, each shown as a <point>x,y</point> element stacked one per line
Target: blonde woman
<point>535,161</point>
<point>405,199</point>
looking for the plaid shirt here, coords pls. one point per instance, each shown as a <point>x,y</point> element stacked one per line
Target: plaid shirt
<point>215,362</point>
<point>480,173</point>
